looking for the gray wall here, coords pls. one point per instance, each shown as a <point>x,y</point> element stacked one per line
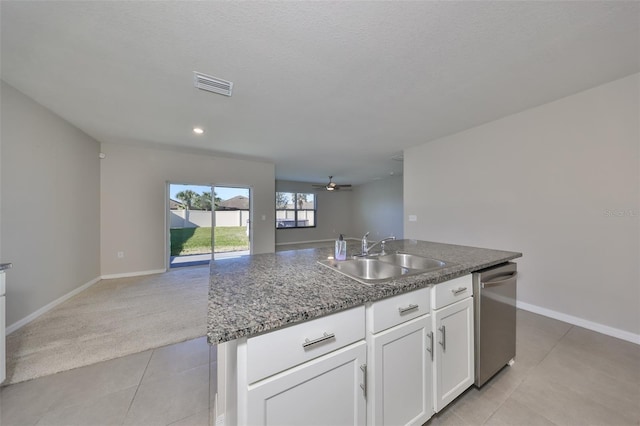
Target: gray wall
<point>133,184</point>
<point>50,214</point>
<point>334,215</point>
<point>377,208</point>
<point>559,183</point>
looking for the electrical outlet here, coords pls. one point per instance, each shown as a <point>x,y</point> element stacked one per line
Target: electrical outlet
<point>413,218</point>
<point>120,255</point>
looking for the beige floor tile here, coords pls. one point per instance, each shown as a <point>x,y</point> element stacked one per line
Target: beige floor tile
<point>535,332</point>
<point>615,392</point>
<point>563,406</point>
<point>475,405</point>
<point>14,412</point>
<point>96,380</point>
<point>201,418</point>
<point>167,399</point>
<point>552,327</point>
<point>446,417</point>
<point>104,411</point>
<point>23,401</point>
<point>513,413</point>
<point>612,356</point>
<point>174,359</point>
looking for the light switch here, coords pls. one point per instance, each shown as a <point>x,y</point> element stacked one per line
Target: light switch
<point>264,217</point>
<point>413,218</point>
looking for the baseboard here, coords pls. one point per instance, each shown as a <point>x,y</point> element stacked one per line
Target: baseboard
<point>133,274</point>
<point>581,322</point>
<point>26,320</point>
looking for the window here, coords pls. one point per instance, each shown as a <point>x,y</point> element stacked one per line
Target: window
<point>295,210</point>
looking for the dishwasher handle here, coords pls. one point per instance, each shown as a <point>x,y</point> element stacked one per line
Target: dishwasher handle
<point>502,280</point>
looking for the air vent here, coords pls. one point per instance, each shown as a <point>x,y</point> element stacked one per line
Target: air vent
<point>212,84</point>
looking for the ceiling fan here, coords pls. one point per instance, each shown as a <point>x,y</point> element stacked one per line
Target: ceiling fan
<point>332,186</point>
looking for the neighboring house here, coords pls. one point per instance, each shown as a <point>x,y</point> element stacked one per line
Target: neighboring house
<point>239,202</point>
<point>175,205</point>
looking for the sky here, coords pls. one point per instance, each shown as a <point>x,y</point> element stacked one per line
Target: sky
<point>223,192</point>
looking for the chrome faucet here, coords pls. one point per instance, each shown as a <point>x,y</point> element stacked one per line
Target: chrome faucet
<point>365,244</point>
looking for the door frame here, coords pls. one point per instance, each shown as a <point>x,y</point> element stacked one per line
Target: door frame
<point>251,222</point>
<point>167,219</point>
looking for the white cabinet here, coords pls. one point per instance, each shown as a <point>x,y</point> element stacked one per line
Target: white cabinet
<point>323,391</point>
<point>311,373</point>
<point>400,374</point>
<point>454,366</point>
<point>395,363</point>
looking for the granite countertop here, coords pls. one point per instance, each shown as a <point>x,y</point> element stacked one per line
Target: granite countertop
<point>250,295</point>
<point>4,266</point>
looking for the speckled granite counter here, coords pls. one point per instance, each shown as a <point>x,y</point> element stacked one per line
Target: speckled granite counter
<point>254,294</point>
<point>5,266</point>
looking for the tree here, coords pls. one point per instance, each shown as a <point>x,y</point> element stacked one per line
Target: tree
<point>302,198</point>
<point>203,201</point>
<point>281,200</point>
<point>188,197</point>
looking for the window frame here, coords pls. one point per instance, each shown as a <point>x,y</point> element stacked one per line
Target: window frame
<point>295,210</point>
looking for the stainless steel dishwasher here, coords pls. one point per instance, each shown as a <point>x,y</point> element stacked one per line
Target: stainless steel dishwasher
<point>494,294</point>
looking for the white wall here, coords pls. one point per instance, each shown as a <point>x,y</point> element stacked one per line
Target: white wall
<point>133,184</point>
<point>334,215</point>
<point>559,183</point>
<point>377,208</point>
<point>50,220</point>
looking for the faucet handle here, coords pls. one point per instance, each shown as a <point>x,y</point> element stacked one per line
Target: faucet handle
<point>365,235</point>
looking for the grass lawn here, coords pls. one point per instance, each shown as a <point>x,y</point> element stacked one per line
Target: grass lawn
<point>198,240</point>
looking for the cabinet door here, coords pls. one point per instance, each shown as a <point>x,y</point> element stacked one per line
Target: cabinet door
<point>323,391</point>
<point>400,370</point>
<point>453,327</point>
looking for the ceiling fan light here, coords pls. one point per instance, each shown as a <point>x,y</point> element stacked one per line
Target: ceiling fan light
<point>330,188</point>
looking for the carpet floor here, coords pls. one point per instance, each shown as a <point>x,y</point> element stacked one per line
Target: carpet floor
<point>111,319</point>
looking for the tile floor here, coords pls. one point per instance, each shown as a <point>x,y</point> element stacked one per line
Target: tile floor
<point>173,385</point>
<point>563,375</point>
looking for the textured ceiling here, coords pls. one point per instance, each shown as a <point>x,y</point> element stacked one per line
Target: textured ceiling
<point>320,88</point>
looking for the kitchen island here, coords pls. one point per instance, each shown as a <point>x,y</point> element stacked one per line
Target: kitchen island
<point>254,297</point>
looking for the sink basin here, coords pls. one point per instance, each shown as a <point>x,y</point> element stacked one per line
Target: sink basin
<point>386,267</point>
<point>365,269</point>
<point>412,261</point>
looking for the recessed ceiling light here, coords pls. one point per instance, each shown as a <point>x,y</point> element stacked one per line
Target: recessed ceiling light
<point>198,130</point>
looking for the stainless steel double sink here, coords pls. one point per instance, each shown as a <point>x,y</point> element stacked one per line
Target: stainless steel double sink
<point>374,269</point>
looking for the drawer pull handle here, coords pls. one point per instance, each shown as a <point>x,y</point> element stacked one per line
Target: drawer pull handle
<point>457,291</point>
<point>325,336</point>
<point>363,385</point>
<point>409,308</point>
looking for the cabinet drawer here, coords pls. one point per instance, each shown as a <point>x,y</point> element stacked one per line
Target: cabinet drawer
<point>397,309</point>
<point>279,350</point>
<point>451,291</point>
